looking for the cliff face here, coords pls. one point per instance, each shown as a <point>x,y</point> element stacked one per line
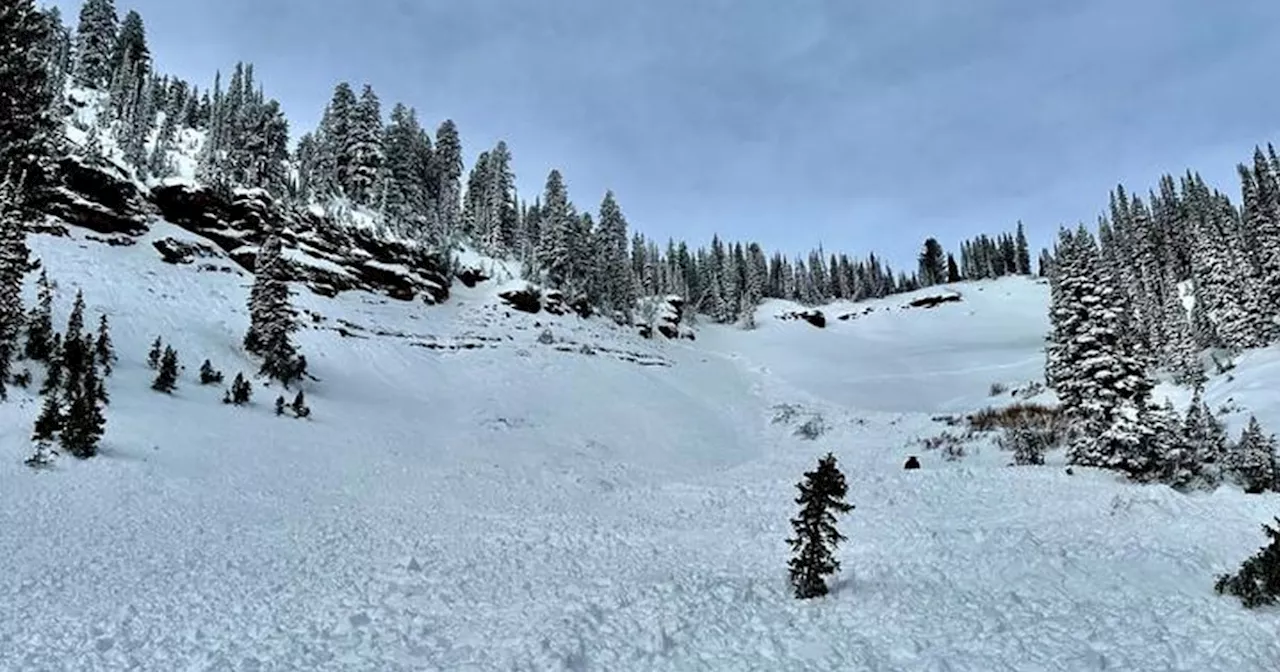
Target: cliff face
<point>326,256</point>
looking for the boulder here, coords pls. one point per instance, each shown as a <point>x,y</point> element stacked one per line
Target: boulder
<point>471,277</point>
<point>526,300</point>
<point>935,301</point>
<point>814,317</point>
<point>175,251</point>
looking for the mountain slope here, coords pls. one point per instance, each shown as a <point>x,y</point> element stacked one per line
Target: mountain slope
<point>468,497</point>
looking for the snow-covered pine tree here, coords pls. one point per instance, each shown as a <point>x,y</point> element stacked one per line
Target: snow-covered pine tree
<point>822,494</point>
<point>27,123</point>
<point>13,266</point>
<point>1257,583</point>
<point>1253,460</point>
<point>333,137</point>
<point>95,42</point>
<point>131,44</point>
<point>446,181</point>
<point>1099,379</point>
<point>554,252</point>
<point>272,318</point>
<point>208,374</point>
<point>619,286</point>
<point>407,150</point>
<point>364,148</point>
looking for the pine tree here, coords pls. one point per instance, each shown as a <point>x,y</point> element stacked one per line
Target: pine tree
<point>1023,253</point>
<point>280,405</point>
<point>933,263</point>
<point>76,357</point>
<point>167,377</point>
<point>272,318</point>
<point>13,266</point>
<point>153,356</point>
<point>822,495</point>
<point>28,127</point>
<point>103,350</point>
<point>1258,581</point>
<point>54,368</point>
<point>131,44</point>
<point>1252,459</point>
<point>364,148</point>
<point>95,42</point>
<point>209,375</point>
<point>50,420</point>
<point>446,180</point>
<point>953,271</point>
<point>241,390</point>
<point>40,322</point>
<point>84,423</point>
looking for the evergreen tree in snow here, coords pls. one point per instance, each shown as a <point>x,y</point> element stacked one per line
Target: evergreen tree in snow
<point>103,350</point>
<point>95,43</point>
<point>364,148</point>
<point>933,264</point>
<point>822,494</point>
<point>618,287</point>
<point>446,180</point>
<point>167,377</point>
<point>1206,437</point>
<point>131,44</point>
<point>1099,379</point>
<point>84,423</point>
<point>77,353</point>
<point>208,374</point>
<point>40,322</point>
<point>54,368</point>
<point>28,128</point>
<point>155,353</point>
<point>280,405</point>
<point>49,422</point>
<point>241,390</point>
<point>408,202</point>
<point>272,318</point>
<point>1253,460</point>
<point>1023,252</point>
<point>557,224</point>
<point>1258,581</point>
<point>13,267</point>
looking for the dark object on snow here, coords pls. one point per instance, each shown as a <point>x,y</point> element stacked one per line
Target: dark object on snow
<point>935,301</point>
<point>472,276</point>
<point>1258,581</point>
<point>527,300</point>
<point>814,317</point>
<point>912,463</point>
<point>1070,471</point>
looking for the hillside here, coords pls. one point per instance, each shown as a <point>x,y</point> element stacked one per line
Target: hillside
<point>468,497</point>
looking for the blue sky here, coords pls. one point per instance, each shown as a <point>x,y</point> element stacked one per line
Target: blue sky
<point>860,125</point>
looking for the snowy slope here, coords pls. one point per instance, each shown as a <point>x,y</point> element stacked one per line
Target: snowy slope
<point>466,497</point>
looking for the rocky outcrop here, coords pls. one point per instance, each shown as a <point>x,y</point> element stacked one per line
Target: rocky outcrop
<point>100,198</point>
<point>175,251</point>
<point>527,300</point>
<point>814,317</point>
<point>935,301</point>
<point>471,276</point>
<point>667,318</point>
<point>325,255</point>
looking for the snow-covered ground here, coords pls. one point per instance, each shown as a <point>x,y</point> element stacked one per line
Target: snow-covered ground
<point>466,497</point>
